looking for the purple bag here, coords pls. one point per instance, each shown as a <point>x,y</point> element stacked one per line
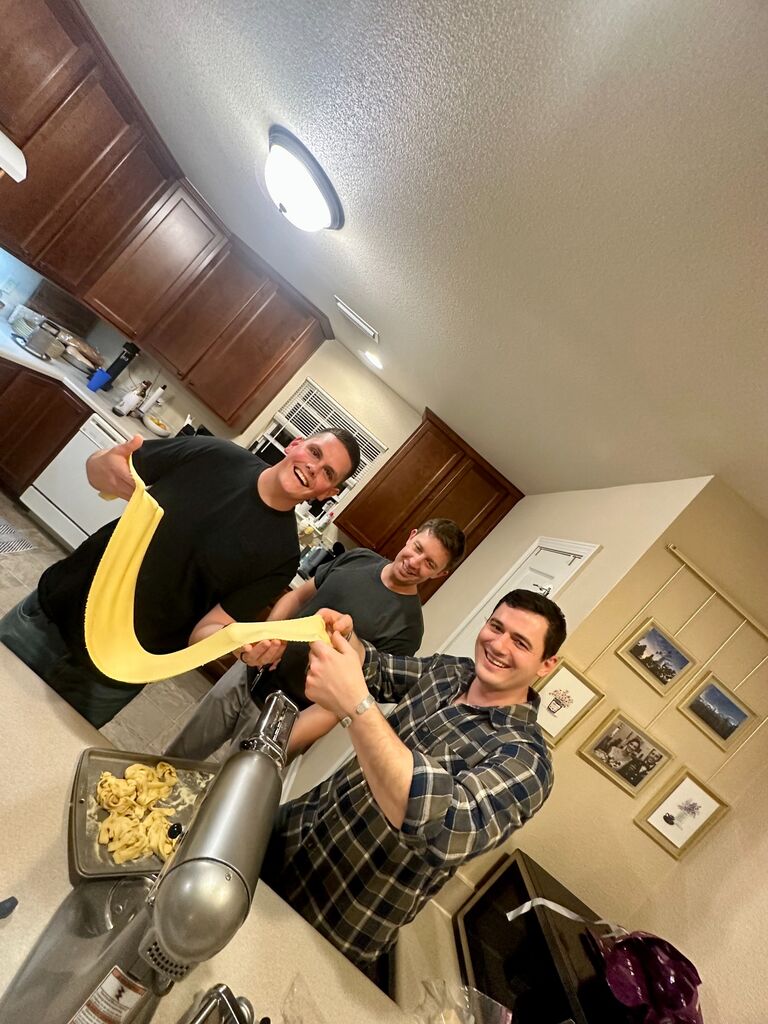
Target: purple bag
<point>651,977</point>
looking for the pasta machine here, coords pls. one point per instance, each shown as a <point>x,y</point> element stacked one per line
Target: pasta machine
<point>120,945</point>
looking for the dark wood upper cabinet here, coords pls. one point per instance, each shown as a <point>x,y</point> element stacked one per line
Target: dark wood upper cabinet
<point>67,159</point>
<point>38,416</point>
<point>204,311</point>
<point>171,246</point>
<point>256,355</point>
<point>43,56</point>
<point>434,474</point>
<point>81,248</point>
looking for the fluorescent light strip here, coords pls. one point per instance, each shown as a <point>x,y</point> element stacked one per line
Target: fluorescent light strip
<point>358,321</point>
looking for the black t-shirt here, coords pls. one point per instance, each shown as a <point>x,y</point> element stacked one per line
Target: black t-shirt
<point>217,543</point>
<point>351,584</point>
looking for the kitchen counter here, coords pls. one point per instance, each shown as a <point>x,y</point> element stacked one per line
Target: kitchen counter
<point>41,740</point>
<point>100,401</point>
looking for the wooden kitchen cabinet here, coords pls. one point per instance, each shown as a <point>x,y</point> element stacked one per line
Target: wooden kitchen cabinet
<point>169,248</point>
<point>37,418</point>
<point>236,336</point>
<point>202,314</point>
<point>67,159</point>
<point>43,55</point>
<point>434,474</point>
<point>75,255</point>
<point>255,356</point>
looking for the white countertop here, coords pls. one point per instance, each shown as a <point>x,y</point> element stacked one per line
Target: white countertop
<point>100,401</point>
<point>41,738</point>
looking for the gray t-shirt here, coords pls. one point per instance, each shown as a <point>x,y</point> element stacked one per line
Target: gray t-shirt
<point>351,584</point>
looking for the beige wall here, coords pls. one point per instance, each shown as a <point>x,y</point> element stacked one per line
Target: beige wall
<point>625,521</point>
<point>361,392</point>
<point>713,902</point>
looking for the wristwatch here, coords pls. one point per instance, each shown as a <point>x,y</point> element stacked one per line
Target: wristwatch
<point>361,708</point>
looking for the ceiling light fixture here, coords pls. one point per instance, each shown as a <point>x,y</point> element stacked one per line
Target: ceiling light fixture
<point>298,185</point>
<point>12,160</point>
<point>373,359</point>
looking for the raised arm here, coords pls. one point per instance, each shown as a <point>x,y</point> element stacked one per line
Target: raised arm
<point>335,682</point>
<point>108,472</point>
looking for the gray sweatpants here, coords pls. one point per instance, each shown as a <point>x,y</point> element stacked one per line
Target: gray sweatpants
<point>225,713</point>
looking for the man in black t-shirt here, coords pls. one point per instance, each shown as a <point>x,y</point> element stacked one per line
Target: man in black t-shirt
<point>381,596</point>
<point>225,547</point>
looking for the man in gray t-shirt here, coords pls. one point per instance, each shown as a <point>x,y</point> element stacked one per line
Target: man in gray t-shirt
<point>382,598</point>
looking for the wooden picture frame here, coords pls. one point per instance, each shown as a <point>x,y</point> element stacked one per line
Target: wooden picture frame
<point>625,753</point>
<point>566,697</point>
<point>718,712</point>
<point>670,818</point>
<point>659,660</point>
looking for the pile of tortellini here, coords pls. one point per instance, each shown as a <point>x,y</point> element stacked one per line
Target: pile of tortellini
<point>134,827</point>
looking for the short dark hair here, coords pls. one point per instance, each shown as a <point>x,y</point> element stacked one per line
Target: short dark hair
<point>348,439</point>
<point>529,601</point>
<point>450,536</point>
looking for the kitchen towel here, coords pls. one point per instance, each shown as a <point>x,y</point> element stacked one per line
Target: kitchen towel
<point>109,634</point>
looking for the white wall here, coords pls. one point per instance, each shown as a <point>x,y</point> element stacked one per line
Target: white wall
<point>624,520</point>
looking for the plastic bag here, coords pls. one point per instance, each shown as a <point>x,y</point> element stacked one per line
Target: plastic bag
<point>458,1005</point>
<point>647,974</point>
<point>299,1006</point>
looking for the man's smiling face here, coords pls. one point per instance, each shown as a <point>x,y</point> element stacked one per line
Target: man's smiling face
<point>314,467</point>
<point>509,652</point>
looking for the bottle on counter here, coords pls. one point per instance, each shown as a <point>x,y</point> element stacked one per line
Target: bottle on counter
<point>131,400</point>
<point>147,404</point>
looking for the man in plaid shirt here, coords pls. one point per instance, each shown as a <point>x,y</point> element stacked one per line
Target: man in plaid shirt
<point>455,769</point>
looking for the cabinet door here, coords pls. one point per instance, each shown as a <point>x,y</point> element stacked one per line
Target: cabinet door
<point>171,246</point>
<point>434,474</point>
<point>202,314</point>
<point>37,418</point>
<point>42,58</point>
<point>67,159</point>
<point>79,251</point>
<point>255,356</point>
<point>409,478</point>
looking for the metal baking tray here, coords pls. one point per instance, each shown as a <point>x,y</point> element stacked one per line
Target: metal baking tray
<point>87,859</point>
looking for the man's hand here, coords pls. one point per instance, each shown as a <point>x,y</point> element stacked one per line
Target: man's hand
<point>265,652</point>
<point>334,678</point>
<point>336,622</point>
<point>108,472</point>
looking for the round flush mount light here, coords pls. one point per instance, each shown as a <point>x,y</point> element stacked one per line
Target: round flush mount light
<point>298,185</point>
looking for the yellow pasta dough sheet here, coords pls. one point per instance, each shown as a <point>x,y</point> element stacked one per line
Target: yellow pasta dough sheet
<point>109,633</point>
<point>89,859</point>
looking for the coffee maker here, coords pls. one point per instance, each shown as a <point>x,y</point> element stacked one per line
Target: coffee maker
<point>126,356</point>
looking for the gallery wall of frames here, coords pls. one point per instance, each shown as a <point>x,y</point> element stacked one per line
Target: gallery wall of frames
<point>690,663</point>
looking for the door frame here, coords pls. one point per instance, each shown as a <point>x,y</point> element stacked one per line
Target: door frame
<point>577,547</point>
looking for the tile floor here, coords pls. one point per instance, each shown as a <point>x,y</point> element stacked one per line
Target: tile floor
<point>153,718</point>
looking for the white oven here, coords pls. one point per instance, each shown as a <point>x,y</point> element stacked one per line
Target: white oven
<point>61,496</point>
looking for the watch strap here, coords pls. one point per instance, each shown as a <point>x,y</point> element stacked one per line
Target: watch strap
<point>361,708</point>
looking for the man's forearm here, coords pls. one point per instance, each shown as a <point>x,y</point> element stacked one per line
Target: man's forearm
<point>386,762</point>
<point>287,607</point>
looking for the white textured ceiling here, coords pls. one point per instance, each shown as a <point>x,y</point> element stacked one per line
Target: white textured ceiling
<point>556,212</point>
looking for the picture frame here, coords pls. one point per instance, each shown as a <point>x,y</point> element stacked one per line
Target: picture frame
<point>566,697</point>
<point>718,712</point>
<point>625,753</point>
<point>680,815</point>
<point>659,660</point>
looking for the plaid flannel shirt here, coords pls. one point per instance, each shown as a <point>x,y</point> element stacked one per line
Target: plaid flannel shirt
<point>478,774</point>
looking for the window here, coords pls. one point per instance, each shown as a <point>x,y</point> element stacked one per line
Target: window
<point>308,411</point>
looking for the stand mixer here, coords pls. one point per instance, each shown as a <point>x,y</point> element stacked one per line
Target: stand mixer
<point>117,946</point>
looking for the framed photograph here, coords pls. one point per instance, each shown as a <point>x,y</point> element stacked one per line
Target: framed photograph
<point>656,658</point>
<point>718,712</point>
<point>681,814</point>
<point>625,753</point>
<point>566,696</point>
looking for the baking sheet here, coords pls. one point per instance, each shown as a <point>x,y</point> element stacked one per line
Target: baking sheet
<point>87,859</point>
